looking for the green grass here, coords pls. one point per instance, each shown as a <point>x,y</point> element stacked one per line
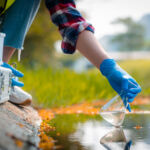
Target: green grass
<point>55,88</point>
<point>140,70</point>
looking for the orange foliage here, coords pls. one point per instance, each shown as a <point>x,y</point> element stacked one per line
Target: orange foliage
<point>84,108</point>
<point>19,143</point>
<point>137,127</point>
<point>46,114</point>
<point>46,142</point>
<point>21,125</point>
<point>141,101</point>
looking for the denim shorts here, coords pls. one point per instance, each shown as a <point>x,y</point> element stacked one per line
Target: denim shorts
<point>16,21</point>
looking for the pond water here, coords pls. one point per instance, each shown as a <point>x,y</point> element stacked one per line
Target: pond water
<point>82,132</point>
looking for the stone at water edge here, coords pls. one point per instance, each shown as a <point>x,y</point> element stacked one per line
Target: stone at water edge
<point>18,127</point>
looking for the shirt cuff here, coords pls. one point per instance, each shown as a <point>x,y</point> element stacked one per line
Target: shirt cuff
<point>70,37</point>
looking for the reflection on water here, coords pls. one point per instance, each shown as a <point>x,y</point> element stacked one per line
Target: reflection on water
<point>96,134</point>
<point>115,139</point>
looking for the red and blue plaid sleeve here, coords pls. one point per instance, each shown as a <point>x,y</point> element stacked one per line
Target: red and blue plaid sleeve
<point>69,21</point>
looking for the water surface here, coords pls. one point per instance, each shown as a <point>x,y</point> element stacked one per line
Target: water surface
<point>82,132</point>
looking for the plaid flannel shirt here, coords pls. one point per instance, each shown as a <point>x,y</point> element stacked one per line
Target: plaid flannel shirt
<point>69,21</point>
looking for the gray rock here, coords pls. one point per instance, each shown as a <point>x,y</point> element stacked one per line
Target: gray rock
<point>18,125</point>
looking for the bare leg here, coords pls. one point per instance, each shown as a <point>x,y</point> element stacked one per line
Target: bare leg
<point>7,53</point>
<point>91,48</point>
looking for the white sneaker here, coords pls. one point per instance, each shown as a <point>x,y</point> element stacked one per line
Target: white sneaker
<point>20,97</point>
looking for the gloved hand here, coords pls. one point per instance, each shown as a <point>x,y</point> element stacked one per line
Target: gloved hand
<point>120,81</point>
<point>128,145</point>
<point>17,73</point>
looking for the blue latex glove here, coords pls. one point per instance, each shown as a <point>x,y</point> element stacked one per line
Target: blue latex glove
<point>120,81</point>
<point>128,145</point>
<point>17,73</point>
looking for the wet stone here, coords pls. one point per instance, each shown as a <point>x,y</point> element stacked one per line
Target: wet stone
<point>18,127</point>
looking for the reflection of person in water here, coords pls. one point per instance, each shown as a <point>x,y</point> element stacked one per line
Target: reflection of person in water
<point>76,34</point>
<point>128,145</point>
<point>116,136</point>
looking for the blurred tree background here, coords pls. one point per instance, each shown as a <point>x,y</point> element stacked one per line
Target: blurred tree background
<point>134,37</point>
